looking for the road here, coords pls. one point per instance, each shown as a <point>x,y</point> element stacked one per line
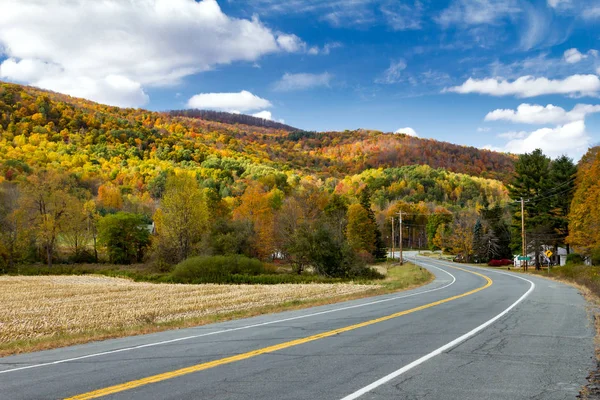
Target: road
<point>471,334</point>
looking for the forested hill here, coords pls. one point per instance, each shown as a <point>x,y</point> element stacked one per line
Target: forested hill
<point>132,147</point>
<point>231,118</point>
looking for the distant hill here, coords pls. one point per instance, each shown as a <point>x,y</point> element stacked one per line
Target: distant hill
<point>134,149</point>
<point>231,118</point>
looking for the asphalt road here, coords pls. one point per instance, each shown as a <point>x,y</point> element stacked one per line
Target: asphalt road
<point>470,334</point>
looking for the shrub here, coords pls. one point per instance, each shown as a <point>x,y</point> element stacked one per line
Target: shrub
<point>217,269</point>
<point>574,259</point>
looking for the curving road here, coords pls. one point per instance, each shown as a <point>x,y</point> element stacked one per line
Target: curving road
<point>471,334</point>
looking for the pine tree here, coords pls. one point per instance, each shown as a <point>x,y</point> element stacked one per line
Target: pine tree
<point>532,181</point>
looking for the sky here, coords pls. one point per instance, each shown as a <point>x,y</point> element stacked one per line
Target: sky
<point>507,75</point>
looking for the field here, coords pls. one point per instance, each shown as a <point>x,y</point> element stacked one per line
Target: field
<point>38,312</point>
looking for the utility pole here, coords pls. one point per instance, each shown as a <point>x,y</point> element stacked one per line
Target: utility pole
<point>401,256</point>
<point>523,235</point>
<point>393,241</point>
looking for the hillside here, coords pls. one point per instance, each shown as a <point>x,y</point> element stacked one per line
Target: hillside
<point>231,118</point>
<point>133,149</point>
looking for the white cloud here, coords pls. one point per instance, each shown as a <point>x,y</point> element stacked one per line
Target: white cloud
<point>407,131</point>
<point>477,12</point>
<point>231,102</point>
<point>483,129</point>
<point>291,43</point>
<point>570,139</point>
<point>315,50</point>
<point>529,86</point>
<point>267,115</point>
<point>264,115</point>
<point>111,50</point>
<point>393,73</point>
<point>573,56</point>
<point>290,82</point>
<point>537,114</point>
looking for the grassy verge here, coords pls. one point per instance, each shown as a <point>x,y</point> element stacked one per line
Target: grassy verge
<point>398,278</point>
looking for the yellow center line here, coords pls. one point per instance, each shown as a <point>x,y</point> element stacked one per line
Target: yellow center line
<point>270,349</point>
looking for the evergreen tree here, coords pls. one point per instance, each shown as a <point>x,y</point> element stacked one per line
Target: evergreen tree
<point>562,174</point>
<point>532,181</point>
<point>380,250</point>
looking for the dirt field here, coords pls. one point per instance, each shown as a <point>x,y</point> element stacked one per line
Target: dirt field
<point>40,307</point>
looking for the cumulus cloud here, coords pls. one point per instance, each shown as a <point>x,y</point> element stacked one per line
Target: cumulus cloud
<point>407,131</point>
<point>529,86</point>
<point>393,74</point>
<point>110,51</point>
<point>573,56</point>
<point>267,115</point>
<point>537,114</point>
<point>290,82</point>
<point>232,102</point>
<point>571,139</point>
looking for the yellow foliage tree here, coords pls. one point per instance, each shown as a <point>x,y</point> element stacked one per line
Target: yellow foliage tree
<point>256,206</point>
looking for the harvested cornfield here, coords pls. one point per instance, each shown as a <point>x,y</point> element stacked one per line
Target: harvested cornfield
<point>38,307</point>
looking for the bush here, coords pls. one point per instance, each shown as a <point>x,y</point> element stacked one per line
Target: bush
<point>217,269</point>
<point>574,259</point>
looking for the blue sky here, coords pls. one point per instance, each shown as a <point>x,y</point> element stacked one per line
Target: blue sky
<point>510,75</point>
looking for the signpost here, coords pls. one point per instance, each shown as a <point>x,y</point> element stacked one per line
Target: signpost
<point>524,258</point>
<point>548,254</point>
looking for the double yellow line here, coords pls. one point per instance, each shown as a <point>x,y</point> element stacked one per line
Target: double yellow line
<point>228,360</point>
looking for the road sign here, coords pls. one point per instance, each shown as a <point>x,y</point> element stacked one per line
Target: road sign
<point>524,258</point>
<point>548,253</point>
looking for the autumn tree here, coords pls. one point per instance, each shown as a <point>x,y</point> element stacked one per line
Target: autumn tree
<point>14,230</point>
<point>49,205</point>
<point>255,206</point>
<point>361,230</point>
<point>109,197</point>
<point>182,218</point>
<point>435,234</point>
<point>461,239</point>
<point>584,215</point>
<point>77,233</point>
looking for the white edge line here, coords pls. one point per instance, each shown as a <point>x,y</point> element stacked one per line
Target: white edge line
<point>440,350</point>
<point>227,330</point>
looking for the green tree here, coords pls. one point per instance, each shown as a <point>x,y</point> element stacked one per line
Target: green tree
<point>433,227</point>
<point>182,218</point>
<point>379,249</point>
<point>360,232</point>
<point>532,182</point>
<point>562,175</point>
<point>125,236</point>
